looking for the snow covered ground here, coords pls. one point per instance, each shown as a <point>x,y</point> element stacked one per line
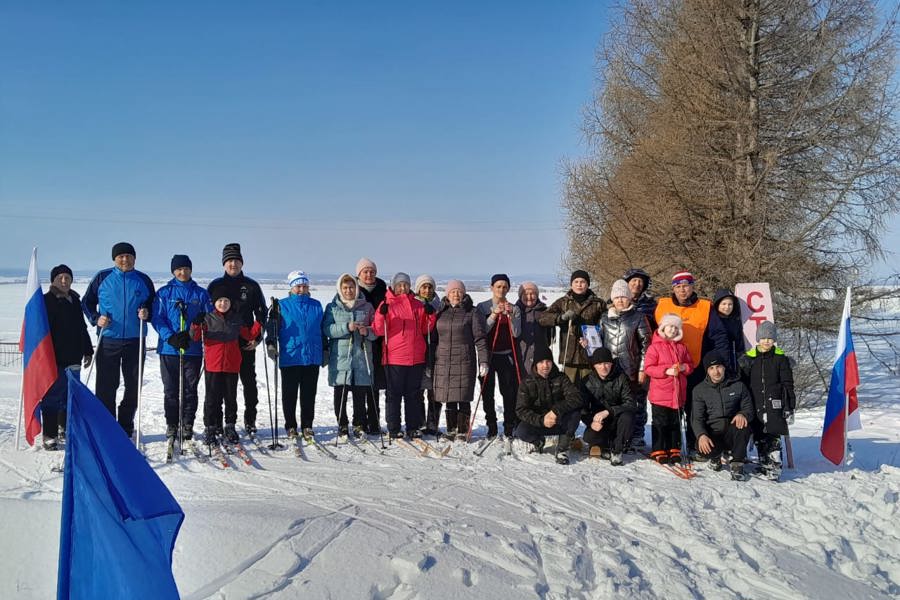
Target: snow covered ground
<point>396,525</point>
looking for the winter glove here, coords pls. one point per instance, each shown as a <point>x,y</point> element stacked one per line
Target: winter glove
<point>429,308</point>
<point>788,417</point>
<point>87,360</point>
<point>272,351</point>
<point>199,319</point>
<point>482,370</point>
<point>180,340</point>
<point>383,309</point>
<point>566,316</point>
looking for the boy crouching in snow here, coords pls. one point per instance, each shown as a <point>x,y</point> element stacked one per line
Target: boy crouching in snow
<point>548,403</point>
<point>221,331</point>
<point>721,416</point>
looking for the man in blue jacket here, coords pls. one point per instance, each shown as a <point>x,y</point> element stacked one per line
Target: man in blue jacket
<point>118,301</point>
<point>177,304</point>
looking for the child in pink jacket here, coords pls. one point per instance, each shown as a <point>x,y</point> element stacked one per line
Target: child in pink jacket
<point>668,363</point>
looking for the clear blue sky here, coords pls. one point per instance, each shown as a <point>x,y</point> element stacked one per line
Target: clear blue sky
<point>428,136</point>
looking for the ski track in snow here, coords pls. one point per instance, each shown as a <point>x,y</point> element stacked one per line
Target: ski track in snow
<point>397,526</point>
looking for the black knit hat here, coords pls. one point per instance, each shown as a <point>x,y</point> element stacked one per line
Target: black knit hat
<point>542,352</point>
<point>123,248</point>
<point>500,277</point>
<point>600,355</point>
<point>180,260</point>
<point>712,358</point>
<point>579,273</point>
<point>640,274</point>
<point>218,291</point>
<point>59,269</point>
<point>231,251</point>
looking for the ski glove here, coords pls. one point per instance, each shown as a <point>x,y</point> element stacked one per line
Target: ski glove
<point>180,340</point>
<point>272,351</point>
<point>383,309</point>
<point>482,370</point>
<point>199,319</point>
<point>788,417</point>
<point>567,316</point>
<point>429,308</point>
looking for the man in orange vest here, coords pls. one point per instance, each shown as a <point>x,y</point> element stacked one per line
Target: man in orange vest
<point>703,330</point>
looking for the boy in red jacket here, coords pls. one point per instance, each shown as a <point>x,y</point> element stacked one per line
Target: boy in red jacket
<point>221,332</point>
<point>668,363</point>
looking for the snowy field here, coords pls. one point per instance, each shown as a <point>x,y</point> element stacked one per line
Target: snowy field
<point>396,525</point>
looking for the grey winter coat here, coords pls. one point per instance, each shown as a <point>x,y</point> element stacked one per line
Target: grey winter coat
<point>458,333</point>
<point>627,335</point>
<point>347,363</point>
<point>532,332</point>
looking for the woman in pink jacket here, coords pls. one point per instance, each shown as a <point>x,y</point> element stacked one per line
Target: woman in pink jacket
<point>404,322</point>
<point>668,363</point>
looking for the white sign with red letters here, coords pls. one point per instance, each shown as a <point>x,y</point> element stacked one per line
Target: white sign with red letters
<point>756,307</point>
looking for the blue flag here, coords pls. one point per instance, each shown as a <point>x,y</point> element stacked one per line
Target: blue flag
<point>119,521</point>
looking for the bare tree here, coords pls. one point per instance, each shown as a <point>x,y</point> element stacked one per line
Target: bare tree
<point>746,140</point>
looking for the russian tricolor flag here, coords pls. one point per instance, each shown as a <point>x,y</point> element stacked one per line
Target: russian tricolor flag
<point>842,408</point>
<point>38,360</point>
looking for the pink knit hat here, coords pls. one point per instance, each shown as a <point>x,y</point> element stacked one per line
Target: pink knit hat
<point>363,263</point>
<point>456,284</point>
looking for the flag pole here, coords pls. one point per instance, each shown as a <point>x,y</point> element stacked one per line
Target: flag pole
<point>21,406</point>
<point>846,395</point>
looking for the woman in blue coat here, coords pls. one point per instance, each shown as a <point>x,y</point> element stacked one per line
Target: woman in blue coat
<point>347,325</point>
<point>294,338</point>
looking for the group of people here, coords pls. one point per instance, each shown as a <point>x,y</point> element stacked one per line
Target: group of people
<point>683,354</point>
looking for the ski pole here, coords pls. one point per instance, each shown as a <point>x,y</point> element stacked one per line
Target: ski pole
<point>374,392</point>
<point>181,308</point>
<point>274,314</point>
<point>483,383</point>
<point>342,407</point>
<point>96,354</point>
<point>137,436</point>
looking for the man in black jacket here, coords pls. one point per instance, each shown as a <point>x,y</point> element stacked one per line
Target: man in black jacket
<point>71,346</point>
<point>721,416</point>
<point>608,407</point>
<point>248,301</point>
<point>548,403</point>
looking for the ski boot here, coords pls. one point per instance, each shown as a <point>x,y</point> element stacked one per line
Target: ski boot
<point>250,427</point>
<point>171,431</point>
<point>737,472</point>
<point>491,430</point>
<point>358,431</point>
<point>343,431</point>
<point>562,457</point>
<point>187,433</point>
<point>660,456</point>
<point>450,435</point>
<point>415,434</point>
<point>209,436</point>
<point>396,435</point>
<point>615,459</point>
<point>49,444</point>
<point>537,446</point>
<point>308,435</point>
<point>61,434</point>
<point>231,435</point>
<point>605,454</point>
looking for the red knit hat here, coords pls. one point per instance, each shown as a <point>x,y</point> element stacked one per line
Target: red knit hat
<point>683,277</point>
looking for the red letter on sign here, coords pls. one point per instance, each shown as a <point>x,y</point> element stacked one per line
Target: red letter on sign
<point>750,296</point>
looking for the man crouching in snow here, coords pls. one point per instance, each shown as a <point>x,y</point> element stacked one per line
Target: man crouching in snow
<point>721,415</point>
<point>548,404</point>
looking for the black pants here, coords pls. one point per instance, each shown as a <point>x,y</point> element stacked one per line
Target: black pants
<point>666,431</point>
<point>53,405</point>
<point>220,387</point>
<point>168,366</point>
<point>359,404</point>
<point>565,427</point>
<point>615,434</point>
<point>458,416</point>
<point>112,356</point>
<point>768,445</point>
<point>503,368</point>
<point>732,440</point>
<point>303,379</point>
<point>433,417</point>
<point>403,385</point>
<point>248,382</point>
<point>639,394</point>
